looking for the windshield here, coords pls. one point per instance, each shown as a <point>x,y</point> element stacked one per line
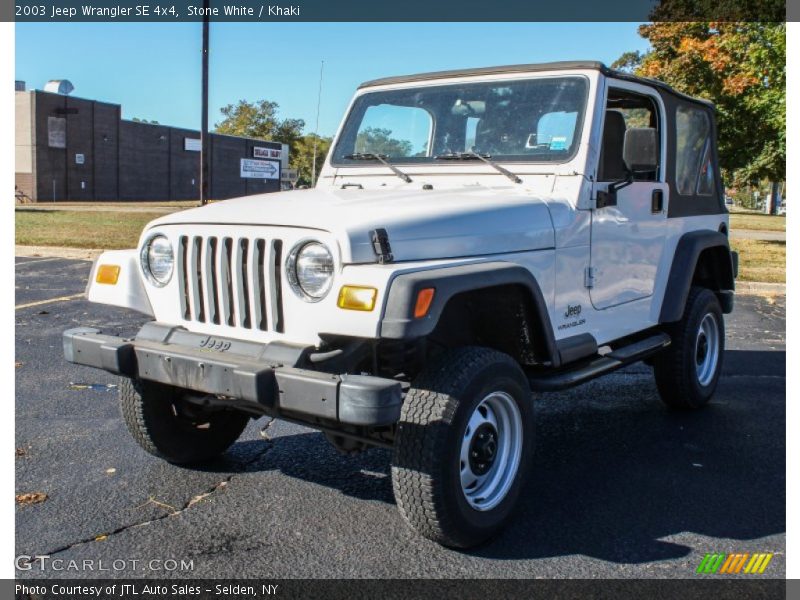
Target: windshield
<point>536,120</point>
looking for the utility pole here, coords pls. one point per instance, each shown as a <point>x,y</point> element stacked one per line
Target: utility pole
<point>204,141</point>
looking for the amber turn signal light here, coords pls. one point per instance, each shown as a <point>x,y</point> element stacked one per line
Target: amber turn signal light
<point>356,297</point>
<point>108,274</point>
<point>424,300</point>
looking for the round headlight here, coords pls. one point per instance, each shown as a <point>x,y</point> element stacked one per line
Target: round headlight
<point>158,260</point>
<point>309,269</point>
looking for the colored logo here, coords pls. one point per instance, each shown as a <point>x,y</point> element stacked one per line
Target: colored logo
<point>733,564</point>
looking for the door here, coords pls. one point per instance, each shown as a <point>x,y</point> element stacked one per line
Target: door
<point>628,237</point>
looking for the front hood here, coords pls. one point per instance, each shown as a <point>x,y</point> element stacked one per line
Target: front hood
<point>421,224</point>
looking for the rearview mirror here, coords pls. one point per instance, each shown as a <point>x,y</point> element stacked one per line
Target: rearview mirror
<point>470,108</point>
<point>640,150</point>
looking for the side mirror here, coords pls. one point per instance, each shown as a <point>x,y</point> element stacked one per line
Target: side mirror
<point>640,150</point>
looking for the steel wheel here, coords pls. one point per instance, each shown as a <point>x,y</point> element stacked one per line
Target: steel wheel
<point>490,451</point>
<point>688,370</point>
<point>707,349</point>
<point>471,400</point>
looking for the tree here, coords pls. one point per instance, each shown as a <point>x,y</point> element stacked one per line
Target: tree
<point>628,62</point>
<point>260,120</point>
<point>302,158</point>
<point>380,141</point>
<point>741,68</point>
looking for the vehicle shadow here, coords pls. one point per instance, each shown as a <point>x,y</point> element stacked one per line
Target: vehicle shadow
<point>615,472</point>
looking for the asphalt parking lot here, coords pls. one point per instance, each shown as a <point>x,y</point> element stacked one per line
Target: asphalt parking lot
<point>622,487</point>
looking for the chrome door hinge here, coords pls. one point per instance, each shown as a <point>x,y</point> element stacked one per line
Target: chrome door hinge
<point>588,277</point>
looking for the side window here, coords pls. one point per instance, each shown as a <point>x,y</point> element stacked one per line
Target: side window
<point>625,110</point>
<point>694,170</point>
<point>396,131</point>
<point>707,175</point>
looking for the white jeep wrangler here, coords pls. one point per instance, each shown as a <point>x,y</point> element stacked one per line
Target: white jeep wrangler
<point>475,236</point>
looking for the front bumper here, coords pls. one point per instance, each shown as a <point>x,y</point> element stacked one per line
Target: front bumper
<point>262,375</point>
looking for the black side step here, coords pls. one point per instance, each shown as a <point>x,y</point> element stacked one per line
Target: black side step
<point>585,370</point>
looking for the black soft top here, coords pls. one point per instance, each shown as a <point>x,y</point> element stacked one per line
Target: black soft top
<point>530,68</point>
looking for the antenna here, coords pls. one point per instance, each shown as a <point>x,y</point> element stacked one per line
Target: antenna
<point>316,127</point>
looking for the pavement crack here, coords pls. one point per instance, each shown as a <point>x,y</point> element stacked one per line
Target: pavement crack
<point>173,511</point>
<point>265,429</point>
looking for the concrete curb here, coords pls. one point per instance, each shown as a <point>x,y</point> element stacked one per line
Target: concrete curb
<point>57,252</point>
<point>99,208</point>
<point>759,288</point>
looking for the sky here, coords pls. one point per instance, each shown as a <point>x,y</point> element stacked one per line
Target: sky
<point>153,70</point>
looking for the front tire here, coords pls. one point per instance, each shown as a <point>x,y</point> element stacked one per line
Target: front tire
<point>688,370</point>
<point>161,422</point>
<point>463,447</point>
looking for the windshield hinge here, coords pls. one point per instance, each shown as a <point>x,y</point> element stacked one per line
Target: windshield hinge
<point>588,277</point>
<point>381,246</point>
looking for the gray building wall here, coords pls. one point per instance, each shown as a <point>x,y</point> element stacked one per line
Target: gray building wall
<point>143,161</point>
<point>105,138</point>
<point>184,180</point>
<point>80,134</point>
<point>99,156</point>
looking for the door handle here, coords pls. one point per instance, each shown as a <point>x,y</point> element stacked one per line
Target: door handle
<point>657,201</point>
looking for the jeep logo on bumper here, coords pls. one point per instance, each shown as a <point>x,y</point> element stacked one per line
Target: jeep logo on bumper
<point>210,343</point>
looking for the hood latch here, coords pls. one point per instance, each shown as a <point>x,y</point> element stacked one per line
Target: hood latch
<point>381,246</point>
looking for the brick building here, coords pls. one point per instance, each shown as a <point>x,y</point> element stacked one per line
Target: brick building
<point>72,149</point>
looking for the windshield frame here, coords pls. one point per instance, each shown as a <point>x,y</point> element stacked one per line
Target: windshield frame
<point>581,124</point>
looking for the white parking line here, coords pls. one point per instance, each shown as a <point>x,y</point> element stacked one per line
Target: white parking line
<point>51,300</point>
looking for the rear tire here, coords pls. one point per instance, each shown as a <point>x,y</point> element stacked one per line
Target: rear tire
<point>160,422</point>
<point>463,447</point>
<point>688,370</point>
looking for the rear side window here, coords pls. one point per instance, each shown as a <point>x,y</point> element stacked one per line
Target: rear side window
<point>694,174</point>
<point>707,175</point>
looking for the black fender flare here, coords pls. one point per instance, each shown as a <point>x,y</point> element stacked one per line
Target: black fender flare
<point>684,262</point>
<point>398,320</point>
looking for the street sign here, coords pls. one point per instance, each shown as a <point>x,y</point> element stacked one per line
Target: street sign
<point>261,152</point>
<point>260,169</point>
<point>80,159</point>
<point>192,144</point>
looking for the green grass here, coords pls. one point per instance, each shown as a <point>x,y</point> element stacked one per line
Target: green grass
<point>85,229</point>
<point>761,260</point>
<point>757,222</point>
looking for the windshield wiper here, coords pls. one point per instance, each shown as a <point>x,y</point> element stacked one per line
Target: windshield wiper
<point>381,158</point>
<point>483,157</point>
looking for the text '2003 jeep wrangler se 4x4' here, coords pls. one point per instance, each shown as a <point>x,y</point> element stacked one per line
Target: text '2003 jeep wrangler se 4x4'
<point>474,237</point>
